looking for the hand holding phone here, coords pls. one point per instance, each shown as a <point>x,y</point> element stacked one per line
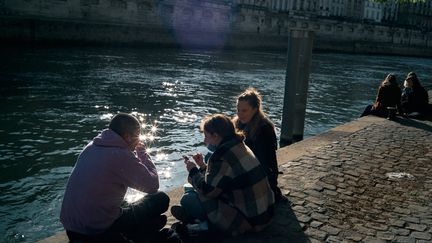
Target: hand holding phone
<point>199,159</point>
<point>189,164</point>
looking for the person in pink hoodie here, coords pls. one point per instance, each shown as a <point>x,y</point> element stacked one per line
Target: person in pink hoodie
<point>93,207</point>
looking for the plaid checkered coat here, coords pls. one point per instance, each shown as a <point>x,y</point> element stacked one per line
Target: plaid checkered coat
<point>235,192</point>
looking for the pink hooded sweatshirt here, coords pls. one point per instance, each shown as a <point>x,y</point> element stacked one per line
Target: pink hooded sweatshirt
<point>98,183</point>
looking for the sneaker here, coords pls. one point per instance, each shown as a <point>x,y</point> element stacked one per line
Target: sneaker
<point>181,214</point>
<point>169,236</point>
<point>197,228</point>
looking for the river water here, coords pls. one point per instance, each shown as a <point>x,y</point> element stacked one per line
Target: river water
<point>53,101</point>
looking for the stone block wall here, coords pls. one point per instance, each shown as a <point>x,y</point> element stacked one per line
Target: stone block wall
<point>117,11</point>
<point>190,23</point>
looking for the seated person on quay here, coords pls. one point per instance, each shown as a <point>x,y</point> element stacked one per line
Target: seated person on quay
<point>388,97</point>
<point>93,208</point>
<point>414,99</point>
<point>232,191</point>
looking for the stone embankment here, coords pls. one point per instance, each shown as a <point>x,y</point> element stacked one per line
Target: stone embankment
<point>195,24</point>
<point>366,181</point>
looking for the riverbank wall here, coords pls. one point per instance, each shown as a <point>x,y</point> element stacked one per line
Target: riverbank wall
<point>203,24</point>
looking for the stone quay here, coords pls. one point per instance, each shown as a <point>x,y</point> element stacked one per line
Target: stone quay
<point>365,181</point>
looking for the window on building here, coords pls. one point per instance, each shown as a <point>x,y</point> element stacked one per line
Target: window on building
<point>167,9</point>
<point>188,12</point>
<point>89,2</point>
<point>255,19</point>
<point>119,4</point>
<point>207,14</point>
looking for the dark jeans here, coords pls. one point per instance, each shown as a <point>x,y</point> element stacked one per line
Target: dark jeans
<point>142,218</point>
<point>368,111</point>
<point>272,177</point>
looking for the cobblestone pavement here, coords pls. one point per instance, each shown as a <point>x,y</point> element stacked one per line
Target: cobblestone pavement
<point>339,188</point>
<point>342,192</point>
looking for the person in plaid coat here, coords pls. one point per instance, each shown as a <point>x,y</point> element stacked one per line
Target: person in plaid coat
<point>234,190</point>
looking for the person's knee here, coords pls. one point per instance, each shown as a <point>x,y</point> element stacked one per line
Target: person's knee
<point>190,199</point>
<point>163,200</point>
<point>158,202</point>
<point>185,200</point>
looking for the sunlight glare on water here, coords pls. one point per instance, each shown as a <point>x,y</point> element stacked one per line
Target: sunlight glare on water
<point>133,195</point>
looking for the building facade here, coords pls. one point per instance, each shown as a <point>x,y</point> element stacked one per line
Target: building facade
<point>416,14</point>
<point>216,13</point>
<point>390,11</point>
<point>372,11</point>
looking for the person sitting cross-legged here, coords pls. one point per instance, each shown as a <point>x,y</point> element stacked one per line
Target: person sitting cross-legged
<point>414,98</point>
<point>93,209</point>
<point>388,97</point>
<point>232,191</point>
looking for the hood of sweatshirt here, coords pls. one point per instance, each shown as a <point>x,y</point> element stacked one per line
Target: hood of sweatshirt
<point>108,138</point>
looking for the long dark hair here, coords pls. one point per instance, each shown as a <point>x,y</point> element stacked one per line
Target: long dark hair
<point>254,99</point>
<point>222,126</point>
<point>389,80</point>
<point>414,79</point>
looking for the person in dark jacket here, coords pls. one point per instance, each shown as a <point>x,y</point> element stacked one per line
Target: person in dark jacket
<point>416,98</point>
<point>388,97</point>
<point>232,190</point>
<point>260,134</point>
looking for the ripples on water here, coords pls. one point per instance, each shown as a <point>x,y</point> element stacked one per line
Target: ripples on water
<point>54,101</point>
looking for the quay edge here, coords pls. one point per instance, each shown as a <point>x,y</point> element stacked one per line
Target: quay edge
<point>284,155</point>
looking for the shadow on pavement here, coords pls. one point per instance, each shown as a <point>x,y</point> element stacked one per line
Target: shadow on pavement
<point>413,123</point>
<point>285,227</point>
